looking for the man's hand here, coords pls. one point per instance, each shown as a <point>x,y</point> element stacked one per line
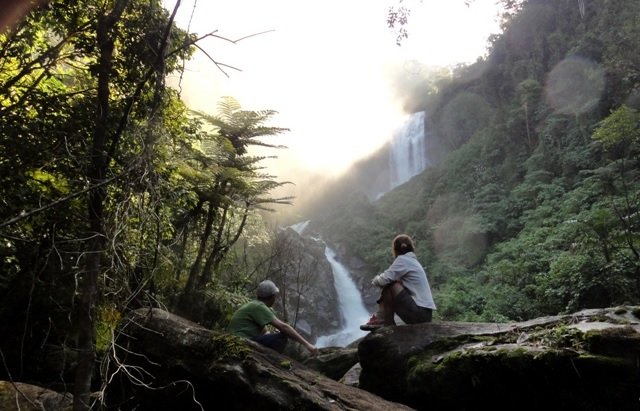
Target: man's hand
<point>292,333</point>
<point>312,349</point>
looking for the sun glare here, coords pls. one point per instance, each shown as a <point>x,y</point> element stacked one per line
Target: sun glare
<point>324,66</point>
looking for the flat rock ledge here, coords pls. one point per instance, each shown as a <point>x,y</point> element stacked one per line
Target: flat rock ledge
<point>583,361</point>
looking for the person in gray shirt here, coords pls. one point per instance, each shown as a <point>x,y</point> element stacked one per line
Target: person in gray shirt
<point>405,289</point>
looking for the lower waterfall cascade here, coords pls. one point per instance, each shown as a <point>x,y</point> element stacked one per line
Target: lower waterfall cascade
<point>351,305</point>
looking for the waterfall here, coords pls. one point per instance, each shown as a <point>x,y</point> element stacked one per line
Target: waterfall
<point>300,227</point>
<point>407,156</point>
<point>351,305</point>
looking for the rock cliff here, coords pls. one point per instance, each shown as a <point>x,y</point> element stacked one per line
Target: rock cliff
<point>305,278</point>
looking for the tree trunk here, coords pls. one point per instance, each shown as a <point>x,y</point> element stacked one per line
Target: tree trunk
<point>184,236</point>
<point>221,249</point>
<point>88,280</point>
<point>207,270</point>
<point>195,268</point>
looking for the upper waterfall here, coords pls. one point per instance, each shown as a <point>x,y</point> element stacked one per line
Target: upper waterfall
<point>407,154</point>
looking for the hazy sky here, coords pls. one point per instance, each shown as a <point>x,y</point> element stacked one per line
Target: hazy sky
<point>325,67</point>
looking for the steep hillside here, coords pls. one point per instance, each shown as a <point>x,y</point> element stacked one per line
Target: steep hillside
<point>532,207</point>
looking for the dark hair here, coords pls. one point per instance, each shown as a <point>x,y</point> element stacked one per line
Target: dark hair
<point>402,244</point>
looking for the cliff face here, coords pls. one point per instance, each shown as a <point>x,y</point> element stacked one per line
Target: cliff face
<point>305,278</point>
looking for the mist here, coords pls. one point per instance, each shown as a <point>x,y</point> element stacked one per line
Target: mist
<point>333,72</point>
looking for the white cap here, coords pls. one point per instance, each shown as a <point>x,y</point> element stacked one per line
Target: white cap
<point>267,289</point>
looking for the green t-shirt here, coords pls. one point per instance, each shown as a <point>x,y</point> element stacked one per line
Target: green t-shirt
<point>249,320</point>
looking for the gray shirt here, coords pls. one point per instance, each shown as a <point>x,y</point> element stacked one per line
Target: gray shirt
<point>407,270</point>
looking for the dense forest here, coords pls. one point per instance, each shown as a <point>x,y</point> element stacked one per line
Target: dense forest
<point>116,196</point>
<point>532,205</point>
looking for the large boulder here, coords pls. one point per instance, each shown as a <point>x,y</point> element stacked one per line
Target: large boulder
<point>584,361</point>
<point>334,362</point>
<point>26,397</point>
<point>307,288</point>
<point>163,361</point>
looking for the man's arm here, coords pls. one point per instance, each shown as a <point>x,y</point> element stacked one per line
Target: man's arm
<point>292,333</point>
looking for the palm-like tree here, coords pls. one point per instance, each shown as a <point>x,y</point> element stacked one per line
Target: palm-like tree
<point>229,185</point>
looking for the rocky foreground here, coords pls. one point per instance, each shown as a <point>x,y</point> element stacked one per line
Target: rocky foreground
<point>584,361</point>
<point>167,362</point>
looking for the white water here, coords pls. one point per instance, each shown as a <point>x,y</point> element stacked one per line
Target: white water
<point>350,303</point>
<point>407,156</point>
<point>300,227</point>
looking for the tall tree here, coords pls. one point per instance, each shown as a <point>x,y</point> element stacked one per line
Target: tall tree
<point>98,167</point>
<point>82,94</point>
<point>229,185</point>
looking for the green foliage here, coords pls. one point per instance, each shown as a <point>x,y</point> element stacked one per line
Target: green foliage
<point>226,191</point>
<point>156,172</point>
<point>221,304</point>
<point>461,118</point>
<point>620,128</point>
<point>455,300</point>
<point>242,128</point>
<point>286,364</point>
<point>228,347</point>
<point>108,320</point>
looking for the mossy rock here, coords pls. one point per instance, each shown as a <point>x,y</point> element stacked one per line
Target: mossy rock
<point>582,361</point>
<point>540,378</point>
<point>16,396</point>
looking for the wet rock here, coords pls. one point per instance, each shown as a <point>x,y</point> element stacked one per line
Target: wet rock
<point>333,362</point>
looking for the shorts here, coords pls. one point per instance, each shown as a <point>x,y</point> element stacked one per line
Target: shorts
<point>409,311</point>
<point>275,341</point>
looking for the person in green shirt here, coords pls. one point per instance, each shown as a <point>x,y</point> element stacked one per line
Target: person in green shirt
<point>250,321</point>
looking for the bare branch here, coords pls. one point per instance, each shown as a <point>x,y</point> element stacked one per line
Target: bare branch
<point>218,64</point>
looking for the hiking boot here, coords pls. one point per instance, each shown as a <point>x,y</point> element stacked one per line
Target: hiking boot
<point>373,324</point>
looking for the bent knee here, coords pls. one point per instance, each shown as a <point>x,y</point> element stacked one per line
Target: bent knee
<point>393,289</point>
